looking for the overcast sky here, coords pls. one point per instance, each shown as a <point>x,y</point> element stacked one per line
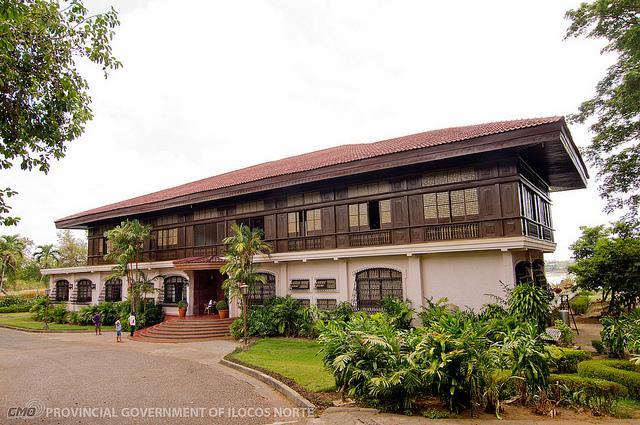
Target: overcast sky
<point>212,86</point>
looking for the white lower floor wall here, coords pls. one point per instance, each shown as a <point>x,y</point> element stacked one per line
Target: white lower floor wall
<point>466,279</point>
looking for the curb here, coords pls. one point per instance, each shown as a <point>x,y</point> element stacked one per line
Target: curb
<point>283,389</point>
<point>48,331</point>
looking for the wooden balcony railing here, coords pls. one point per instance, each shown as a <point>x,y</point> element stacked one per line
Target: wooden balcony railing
<point>443,232</point>
<point>537,230</point>
<point>401,235</point>
<point>303,244</point>
<point>370,239</point>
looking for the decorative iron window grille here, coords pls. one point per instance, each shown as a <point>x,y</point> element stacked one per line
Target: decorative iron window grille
<point>174,289</point>
<point>113,290</point>
<point>299,284</point>
<point>374,285</point>
<point>261,292</point>
<point>325,284</point>
<point>62,290</point>
<point>83,289</point>
<point>304,302</point>
<point>327,304</point>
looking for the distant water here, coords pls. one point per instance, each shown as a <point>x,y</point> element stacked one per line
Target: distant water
<point>556,277</point>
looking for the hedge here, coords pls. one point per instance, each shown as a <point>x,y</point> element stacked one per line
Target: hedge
<point>621,371</point>
<point>15,308</point>
<point>566,359</point>
<point>580,304</point>
<point>592,387</point>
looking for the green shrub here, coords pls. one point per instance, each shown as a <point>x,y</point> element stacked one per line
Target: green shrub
<point>16,308</point>
<point>38,308</point>
<point>58,314</point>
<point>400,312</point>
<point>529,302</point>
<point>278,316</point>
<point>566,359</point>
<point>222,305</point>
<point>524,353</point>
<point>580,304</point>
<point>149,315</point>
<point>493,311</point>
<point>108,313</point>
<point>343,311</point>
<point>566,334</point>
<point>613,335</point>
<point>621,371</point>
<point>15,300</point>
<point>589,387</point>
<point>598,346</point>
<point>433,311</point>
<point>369,359</point>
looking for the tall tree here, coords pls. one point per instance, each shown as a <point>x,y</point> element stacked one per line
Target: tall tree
<point>12,251</point>
<point>46,255</point>
<point>126,243</point>
<point>72,251</point>
<point>615,107</point>
<point>608,259</point>
<point>242,246</point>
<point>44,101</point>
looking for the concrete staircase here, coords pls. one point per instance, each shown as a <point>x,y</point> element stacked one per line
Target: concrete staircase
<point>185,330</point>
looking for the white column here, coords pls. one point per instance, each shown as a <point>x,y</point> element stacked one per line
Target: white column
<point>414,281</point>
<point>283,282</point>
<point>345,285</point>
<point>508,272</point>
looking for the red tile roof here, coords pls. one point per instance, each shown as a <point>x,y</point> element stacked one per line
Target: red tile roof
<point>324,158</point>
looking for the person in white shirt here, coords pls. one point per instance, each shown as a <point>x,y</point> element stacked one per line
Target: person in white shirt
<point>132,324</point>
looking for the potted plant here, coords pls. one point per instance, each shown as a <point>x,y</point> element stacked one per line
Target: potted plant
<point>223,309</point>
<point>182,308</point>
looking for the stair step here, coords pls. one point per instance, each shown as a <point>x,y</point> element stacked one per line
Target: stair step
<point>181,330</point>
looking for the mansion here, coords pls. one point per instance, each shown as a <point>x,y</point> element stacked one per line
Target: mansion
<point>454,213</point>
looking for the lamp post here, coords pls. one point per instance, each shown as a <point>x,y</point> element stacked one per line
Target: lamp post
<point>244,289</point>
<point>46,309</point>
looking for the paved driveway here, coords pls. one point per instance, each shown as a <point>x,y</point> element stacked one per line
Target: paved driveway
<point>128,383</point>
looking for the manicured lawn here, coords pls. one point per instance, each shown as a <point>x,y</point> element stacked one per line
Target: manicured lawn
<point>23,320</point>
<point>294,358</point>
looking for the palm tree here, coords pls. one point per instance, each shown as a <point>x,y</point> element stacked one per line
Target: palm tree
<point>47,255</point>
<point>242,247</point>
<point>126,243</point>
<point>11,253</point>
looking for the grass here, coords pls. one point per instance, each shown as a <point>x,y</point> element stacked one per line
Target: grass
<point>295,358</point>
<point>24,321</point>
<point>627,408</point>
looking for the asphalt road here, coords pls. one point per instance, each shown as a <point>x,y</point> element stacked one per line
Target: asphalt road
<point>128,383</point>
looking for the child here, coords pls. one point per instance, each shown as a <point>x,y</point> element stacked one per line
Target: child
<point>132,323</point>
<point>96,322</point>
<point>118,331</point>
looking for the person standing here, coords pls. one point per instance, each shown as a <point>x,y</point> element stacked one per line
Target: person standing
<point>96,322</point>
<point>132,324</point>
<point>118,331</point>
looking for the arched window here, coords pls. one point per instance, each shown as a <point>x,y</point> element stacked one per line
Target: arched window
<point>261,292</point>
<point>523,272</point>
<point>174,289</point>
<point>84,291</point>
<point>62,290</point>
<point>374,285</point>
<point>113,290</point>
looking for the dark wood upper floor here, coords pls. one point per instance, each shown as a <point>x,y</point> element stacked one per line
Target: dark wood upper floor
<point>478,196</point>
